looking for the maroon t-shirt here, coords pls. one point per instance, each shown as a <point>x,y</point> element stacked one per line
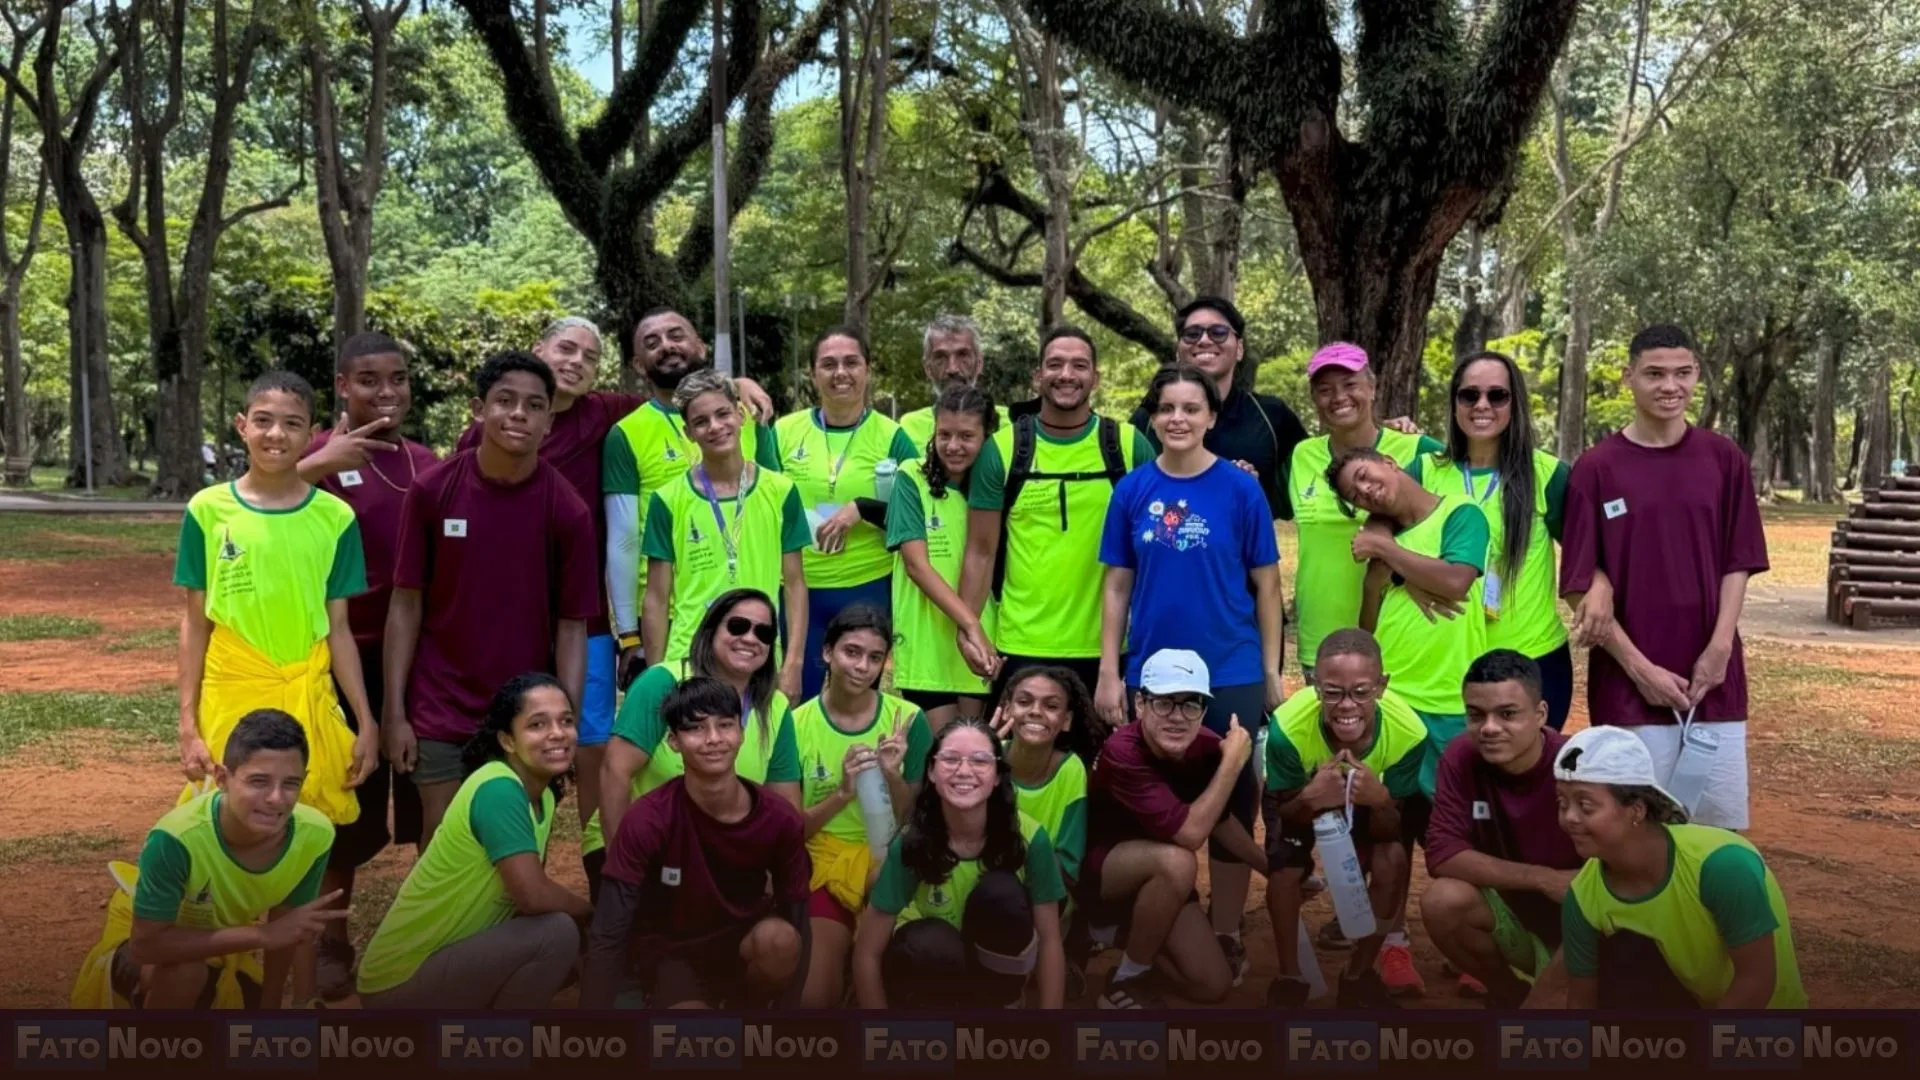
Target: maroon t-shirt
<point>573,447</point>
<point>376,491</point>
<point>498,567</point>
<point>1135,794</point>
<point>700,877</point>
<point>1484,808</point>
<point>1666,524</point>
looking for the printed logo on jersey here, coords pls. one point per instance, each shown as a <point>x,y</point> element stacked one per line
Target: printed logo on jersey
<point>694,534</point>
<point>229,551</point>
<point>670,454</point>
<point>799,453</point>
<point>1176,526</point>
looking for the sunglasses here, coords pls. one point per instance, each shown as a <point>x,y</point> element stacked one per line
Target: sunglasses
<point>740,625</point>
<point>1470,396</point>
<point>1219,332</point>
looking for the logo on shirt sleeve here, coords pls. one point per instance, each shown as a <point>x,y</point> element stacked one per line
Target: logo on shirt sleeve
<point>669,875</point>
<point>1616,508</point>
<point>350,478</point>
<point>1481,811</point>
<point>454,527</point>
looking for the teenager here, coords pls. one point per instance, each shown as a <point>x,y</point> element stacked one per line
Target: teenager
<point>1498,863</point>
<point>1491,459</point>
<point>983,886</point>
<point>1184,537</point>
<point>849,729</point>
<point>950,355</point>
<point>1662,533</point>
<point>268,562</point>
<point>1159,791</point>
<point>727,523</point>
<point>706,880</point>
<point>1046,712</point>
<point>214,865</point>
<point>1347,737</point>
<point>837,455</point>
<point>478,923</point>
<point>494,577</point>
<point>941,641</point>
<point>1664,914</point>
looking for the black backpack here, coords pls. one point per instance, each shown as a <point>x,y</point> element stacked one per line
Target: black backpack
<point>1020,473</point>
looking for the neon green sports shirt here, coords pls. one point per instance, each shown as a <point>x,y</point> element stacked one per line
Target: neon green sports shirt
<point>1060,806</point>
<point>1428,659</point>
<point>1525,615</point>
<point>898,887</point>
<point>823,749</point>
<point>189,878</point>
<point>831,467</point>
<point>924,654</point>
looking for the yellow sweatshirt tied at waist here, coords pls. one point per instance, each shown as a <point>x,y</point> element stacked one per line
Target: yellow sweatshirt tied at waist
<point>93,987</point>
<point>841,867</point>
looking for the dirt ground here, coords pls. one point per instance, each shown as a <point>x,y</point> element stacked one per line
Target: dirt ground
<point>1835,756</point>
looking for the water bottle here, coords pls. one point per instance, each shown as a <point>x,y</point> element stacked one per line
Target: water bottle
<point>1346,880</point>
<point>883,473</point>
<point>1260,755</point>
<point>876,809</point>
<point>1694,764</point>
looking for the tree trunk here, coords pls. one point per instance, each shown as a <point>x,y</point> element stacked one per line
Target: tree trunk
<point>1876,456</point>
<point>19,439</point>
<point>87,341</point>
<point>1821,483</point>
<point>1050,156</point>
<point>346,201</point>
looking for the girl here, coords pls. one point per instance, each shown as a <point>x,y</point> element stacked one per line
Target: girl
<point>1044,711</point>
<point>849,729</point>
<point>478,924</point>
<point>984,884</point>
<point>727,524</point>
<point>840,455</point>
<point>927,525</point>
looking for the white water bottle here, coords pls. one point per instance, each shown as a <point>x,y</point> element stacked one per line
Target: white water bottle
<point>1346,881</point>
<point>884,471</point>
<point>876,809</point>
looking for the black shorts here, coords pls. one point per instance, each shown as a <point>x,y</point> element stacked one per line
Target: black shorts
<point>929,700</point>
<point>711,972</point>
<point>1290,844</point>
<point>1556,684</point>
<point>355,845</point>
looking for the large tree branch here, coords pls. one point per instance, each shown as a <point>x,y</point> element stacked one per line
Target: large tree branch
<point>669,153</point>
<point>635,91</point>
<point>1502,92</point>
<point>1160,50</point>
<point>277,202</point>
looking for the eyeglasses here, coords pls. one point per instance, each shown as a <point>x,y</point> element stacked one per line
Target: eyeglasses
<point>740,625</point>
<point>1334,695</point>
<point>1219,332</point>
<point>951,760</point>
<point>1190,708</point>
<point>1470,396</point>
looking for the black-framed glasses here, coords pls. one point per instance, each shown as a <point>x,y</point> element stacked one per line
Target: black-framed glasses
<point>1359,695</point>
<point>1470,396</point>
<point>1218,332</point>
<point>741,626</point>
<point>1189,708</point>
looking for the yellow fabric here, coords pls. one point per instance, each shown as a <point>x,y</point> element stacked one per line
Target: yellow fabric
<point>239,679</point>
<point>841,867</point>
<point>93,987</point>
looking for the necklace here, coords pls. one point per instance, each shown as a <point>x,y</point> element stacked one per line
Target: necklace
<point>413,471</point>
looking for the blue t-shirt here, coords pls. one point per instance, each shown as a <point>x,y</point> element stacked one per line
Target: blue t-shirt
<point>1192,545</point>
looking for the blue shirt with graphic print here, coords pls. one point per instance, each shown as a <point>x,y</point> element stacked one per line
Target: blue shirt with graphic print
<point>1192,544</point>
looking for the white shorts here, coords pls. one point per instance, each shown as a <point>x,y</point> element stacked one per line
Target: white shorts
<point>1725,801</point>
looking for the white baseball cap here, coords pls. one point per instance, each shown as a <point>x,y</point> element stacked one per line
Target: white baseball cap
<point>1175,671</point>
<point>1610,755</point>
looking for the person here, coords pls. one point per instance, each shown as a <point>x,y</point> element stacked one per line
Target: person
<point>1037,501</point>
<point>1046,712</point>
<point>1664,914</point>
<point>728,524</point>
<point>478,923</point>
<point>268,562</point>
<point>494,576</point>
<point>950,355</point>
<point>733,644</point>
<point>927,528</point>
<point>215,864</point>
<point>837,455</point>
<point>1328,584</point>
<point>1347,741</point>
<point>1662,532</point>
<point>1498,863</point>
<point>1160,789</point>
<point>1490,449</point>
<point>1184,536</point>
<point>647,451</point>
<point>978,887</point>
<point>850,728</point>
<point>706,879</point>
<point>365,461</point>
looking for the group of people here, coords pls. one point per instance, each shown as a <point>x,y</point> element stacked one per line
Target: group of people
<point>1047,643</point>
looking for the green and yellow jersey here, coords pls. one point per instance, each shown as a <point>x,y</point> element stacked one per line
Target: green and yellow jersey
<point>1059,804</point>
<point>924,655</point>
<point>823,749</point>
<point>830,467</point>
<point>188,876</point>
<point>1297,744</point>
<point>1428,659</point>
<point>920,423</point>
<point>1522,614</point>
<point>898,887</point>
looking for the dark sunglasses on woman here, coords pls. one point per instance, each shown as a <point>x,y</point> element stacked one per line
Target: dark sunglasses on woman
<point>739,625</point>
<point>1470,396</point>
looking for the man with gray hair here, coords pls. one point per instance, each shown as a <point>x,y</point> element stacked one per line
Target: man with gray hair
<point>950,353</point>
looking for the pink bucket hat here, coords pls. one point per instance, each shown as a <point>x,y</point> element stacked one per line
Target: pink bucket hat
<point>1337,355</point>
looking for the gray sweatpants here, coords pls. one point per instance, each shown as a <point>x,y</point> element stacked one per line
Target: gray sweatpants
<point>519,964</point>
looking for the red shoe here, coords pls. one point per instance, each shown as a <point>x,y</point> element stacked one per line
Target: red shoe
<point>1396,969</point>
<point>1472,987</point>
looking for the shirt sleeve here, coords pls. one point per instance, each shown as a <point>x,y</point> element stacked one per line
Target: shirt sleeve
<point>1580,528</point>
<point>619,473</point>
<point>349,574</point>
<point>783,765</point>
<point>1285,772</point>
<point>902,449</point>
<point>410,550</point>
<point>579,559</point>
<point>1116,535</point>
<point>1403,777</point>
<point>190,562</point>
<point>638,721</point>
<point>1288,433</point>
<point>919,741</point>
<point>1557,499</point>
<point>656,539</point>
<point>1044,883</point>
<point>766,447</point>
<point>499,818</point>
<point>1071,847</point>
<point>1733,888</point>
<point>1744,547</point>
<point>793,876</point>
<point>906,518</point>
<point>1139,789</point>
<point>1429,445</point>
<point>1464,538</point>
<point>1143,450</point>
<point>987,483</point>
<point>1450,829</point>
<point>794,535</point>
<point>893,890</point>
<point>309,888</point>
<point>1579,939</point>
<point>165,867</point>
<point>630,851</point>
<point>469,438</point>
<point>1258,548</point>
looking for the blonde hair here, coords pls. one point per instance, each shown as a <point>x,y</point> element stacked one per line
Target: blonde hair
<point>704,381</point>
<point>574,322</point>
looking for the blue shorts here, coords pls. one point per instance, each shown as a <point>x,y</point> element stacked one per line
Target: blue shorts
<point>596,712</point>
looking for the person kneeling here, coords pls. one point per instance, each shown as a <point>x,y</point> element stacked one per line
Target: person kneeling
<point>706,882</point>
<point>980,887</point>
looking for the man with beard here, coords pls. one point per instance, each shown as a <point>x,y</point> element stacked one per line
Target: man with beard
<point>1037,506</point>
<point>950,353</point>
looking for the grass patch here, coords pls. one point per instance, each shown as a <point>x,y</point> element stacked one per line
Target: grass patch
<point>45,628</point>
<point>86,536</point>
<point>1857,960</point>
<point>160,637</point>
<point>149,716</point>
<point>72,846</point>
<point>53,480</point>
<point>1847,752</point>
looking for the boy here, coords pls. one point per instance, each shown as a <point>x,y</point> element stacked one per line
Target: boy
<point>706,882</point>
<point>496,575</point>
<point>268,562</point>
<point>213,865</point>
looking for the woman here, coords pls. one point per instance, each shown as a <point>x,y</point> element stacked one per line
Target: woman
<point>1327,582</point>
<point>1044,710</point>
<point>1664,914</point>
<point>734,644</point>
<point>478,924</point>
<point>838,455</point>
<point>983,885</point>
<point>727,524</point>
<point>927,526</point>
<point>1490,449</point>
<point>849,729</point>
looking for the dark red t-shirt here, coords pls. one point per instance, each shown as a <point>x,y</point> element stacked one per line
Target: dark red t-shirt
<point>498,566</point>
<point>1666,524</point>
<point>376,491</point>
<point>573,447</point>
<point>700,877</point>
<point>1134,794</point>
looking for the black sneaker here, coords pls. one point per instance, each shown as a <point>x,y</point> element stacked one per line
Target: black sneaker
<point>1132,993</point>
<point>1076,989</point>
<point>333,968</point>
<point>1288,992</point>
<point>1331,936</point>
<point>1236,954</point>
<point>1365,992</point>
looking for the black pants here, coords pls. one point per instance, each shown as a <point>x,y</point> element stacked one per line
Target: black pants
<point>1556,684</point>
<point>1633,975</point>
<point>929,964</point>
<point>356,844</point>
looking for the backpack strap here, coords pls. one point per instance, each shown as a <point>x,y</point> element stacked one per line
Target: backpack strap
<point>1111,456</point>
<point>1019,471</point>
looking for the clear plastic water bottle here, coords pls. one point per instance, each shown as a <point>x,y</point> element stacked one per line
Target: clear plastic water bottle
<point>884,471</point>
<point>876,809</point>
<point>1346,879</point>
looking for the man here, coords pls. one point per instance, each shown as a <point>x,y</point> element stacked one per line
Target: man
<point>1159,790</point>
<point>1036,508</point>
<point>706,880</point>
<point>365,461</point>
<point>1662,532</point>
<point>496,575</point>
<point>1346,736</point>
<point>950,354</point>
<point>1498,861</point>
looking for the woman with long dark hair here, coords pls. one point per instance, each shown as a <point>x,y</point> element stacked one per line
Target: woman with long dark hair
<point>983,881</point>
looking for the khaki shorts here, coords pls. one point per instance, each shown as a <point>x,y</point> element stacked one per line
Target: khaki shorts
<point>438,762</point>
